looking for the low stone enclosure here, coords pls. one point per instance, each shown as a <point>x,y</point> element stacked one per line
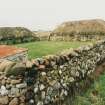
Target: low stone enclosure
<point>52,80</point>
<point>76,37</point>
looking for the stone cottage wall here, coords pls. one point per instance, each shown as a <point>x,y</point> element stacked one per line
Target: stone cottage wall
<point>75,37</point>
<point>58,78</point>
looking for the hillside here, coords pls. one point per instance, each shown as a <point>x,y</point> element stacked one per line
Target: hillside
<point>43,35</point>
<point>82,27</point>
<point>95,25</point>
<point>12,35</point>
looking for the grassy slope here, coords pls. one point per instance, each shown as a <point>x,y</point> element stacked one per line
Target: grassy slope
<point>38,49</point>
<point>89,99</point>
<point>87,26</point>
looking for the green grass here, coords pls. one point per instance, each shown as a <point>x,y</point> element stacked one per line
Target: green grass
<point>43,48</point>
<point>89,99</point>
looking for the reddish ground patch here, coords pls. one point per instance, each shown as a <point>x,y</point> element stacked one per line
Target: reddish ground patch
<point>99,70</point>
<point>6,50</point>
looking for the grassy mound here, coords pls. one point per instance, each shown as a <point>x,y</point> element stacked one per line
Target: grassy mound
<point>95,26</point>
<point>85,28</point>
<point>13,35</point>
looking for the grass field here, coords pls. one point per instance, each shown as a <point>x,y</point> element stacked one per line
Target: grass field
<point>42,48</point>
<point>89,99</point>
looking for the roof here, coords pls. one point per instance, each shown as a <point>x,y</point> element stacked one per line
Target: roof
<point>6,50</point>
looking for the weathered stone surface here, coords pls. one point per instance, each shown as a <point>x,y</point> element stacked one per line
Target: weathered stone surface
<point>22,104</point>
<point>43,73</point>
<point>41,86</point>
<point>14,101</point>
<point>22,99</point>
<point>40,103</point>
<point>3,82</point>
<point>4,100</point>
<point>8,81</point>
<point>14,82</point>
<point>3,90</point>
<point>22,85</point>
<point>14,91</point>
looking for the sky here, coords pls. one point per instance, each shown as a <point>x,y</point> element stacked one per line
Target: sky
<point>48,14</point>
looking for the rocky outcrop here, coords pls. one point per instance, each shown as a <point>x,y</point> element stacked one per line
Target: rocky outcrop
<point>53,79</point>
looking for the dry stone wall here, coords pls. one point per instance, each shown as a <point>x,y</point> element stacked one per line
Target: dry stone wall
<point>75,37</point>
<point>52,79</point>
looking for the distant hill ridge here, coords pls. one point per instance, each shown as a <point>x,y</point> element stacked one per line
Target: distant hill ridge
<point>82,27</point>
<point>12,35</point>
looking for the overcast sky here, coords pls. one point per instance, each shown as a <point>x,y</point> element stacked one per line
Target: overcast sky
<point>46,14</point>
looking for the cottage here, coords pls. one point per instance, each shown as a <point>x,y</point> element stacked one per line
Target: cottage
<point>12,53</point>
